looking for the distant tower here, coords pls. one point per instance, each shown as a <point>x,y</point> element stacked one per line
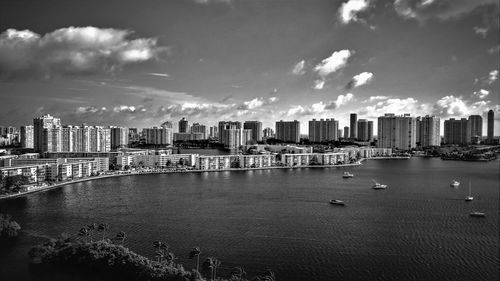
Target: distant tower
<point>346,132</point>
<point>491,126</point>
<point>354,126</point>
<point>183,125</point>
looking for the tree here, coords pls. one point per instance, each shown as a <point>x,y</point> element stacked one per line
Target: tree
<point>212,264</point>
<point>8,227</point>
<point>103,227</point>
<point>91,228</point>
<point>195,252</point>
<point>120,237</point>
<point>161,250</point>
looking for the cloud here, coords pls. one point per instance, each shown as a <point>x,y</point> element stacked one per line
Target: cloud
<point>450,106</point>
<point>481,93</point>
<point>317,109</point>
<point>206,2</point>
<point>348,11</point>
<point>343,99</point>
<point>257,102</point>
<point>441,9</point>
<point>299,68</point>
<point>494,50</point>
<point>483,31</point>
<point>492,76</point>
<point>391,105</point>
<point>71,51</point>
<point>164,75</point>
<point>359,80</point>
<point>330,65</point>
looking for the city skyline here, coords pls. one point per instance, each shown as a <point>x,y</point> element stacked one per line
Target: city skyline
<point>248,60</point>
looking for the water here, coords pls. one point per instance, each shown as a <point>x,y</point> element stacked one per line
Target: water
<point>417,229</point>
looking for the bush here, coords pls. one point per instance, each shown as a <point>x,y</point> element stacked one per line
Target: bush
<point>8,227</point>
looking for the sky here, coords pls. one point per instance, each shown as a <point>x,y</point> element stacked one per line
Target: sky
<point>139,63</point>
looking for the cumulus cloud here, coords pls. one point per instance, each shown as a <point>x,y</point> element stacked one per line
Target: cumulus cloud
<point>71,50</point>
<point>317,109</point>
<point>384,105</point>
<point>481,93</point>
<point>257,102</point>
<point>494,50</point>
<point>343,99</point>
<point>451,106</point>
<point>492,76</point>
<point>440,9</point>
<point>299,68</point>
<point>483,31</point>
<point>349,10</point>
<point>330,65</point>
<point>359,80</point>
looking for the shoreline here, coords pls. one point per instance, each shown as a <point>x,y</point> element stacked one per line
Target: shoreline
<point>136,173</point>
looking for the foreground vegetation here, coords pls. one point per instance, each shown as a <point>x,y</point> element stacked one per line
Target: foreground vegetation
<point>111,258</point>
<point>8,227</point>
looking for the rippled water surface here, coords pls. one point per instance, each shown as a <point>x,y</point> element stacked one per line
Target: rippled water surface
<point>417,229</point>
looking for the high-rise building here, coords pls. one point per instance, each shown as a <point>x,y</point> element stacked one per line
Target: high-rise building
<point>133,135</point>
<point>158,136</point>
<point>256,127</point>
<point>428,131</point>
<point>214,132</point>
<point>491,126</point>
<point>27,134</point>
<point>268,133</point>
<point>323,130</point>
<point>119,137</point>
<point>365,130</point>
<point>197,128</point>
<point>52,139</point>
<point>354,126</point>
<point>455,131</point>
<point>39,124</point>
<point>230,134</point>
<point>475,130</point>
<point>346,132</point>
<point>183,125</point>
<point>288,131</point>
<point>396,131</point>
<point>247,136</point>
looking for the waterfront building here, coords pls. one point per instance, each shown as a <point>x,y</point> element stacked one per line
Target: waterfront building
<point>198,129</point>
<point>288,131</point>
<point>230,134</point>
<point>133,135</point>
<point>277,148</point>
<point>247,137</point>
<point>188,136</point>
<point>119,137</point>
<point>27,134</point>
<point>490,127</point>
<point>428,131</point>
<point>39,125</point>
<point>158,136</point>
<point>183,125</point>
<point>159,160</point>
<point>354,126</point>
<point>396,131</point>
<point>456,131</point>
<point>346,132</point>
<point>365,130</point>
<point>323,130</point>
<point>256,129</point>
<point>475,129</point>
<point>306,159</point>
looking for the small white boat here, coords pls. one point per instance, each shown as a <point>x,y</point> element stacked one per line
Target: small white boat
<point>477,214</point>
<point>454,183</point>
<point>347,175</point>
<point>337,202</point>
<point>378,185</point>
<point>469,197</point>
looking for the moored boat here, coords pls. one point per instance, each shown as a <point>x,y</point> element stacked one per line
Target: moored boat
<point>454,183</point>
<point>347,175</point>
<point>337,202</point>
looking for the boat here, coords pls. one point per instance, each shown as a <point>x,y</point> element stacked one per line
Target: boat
<point>378,185</point>
<point>469,197</point>
<point>454,183</point>
<point>347,175</point>
<point>476,214</point>
<point>337,202</point>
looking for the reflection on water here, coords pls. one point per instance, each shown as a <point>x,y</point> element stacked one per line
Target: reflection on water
<point>417,229</point>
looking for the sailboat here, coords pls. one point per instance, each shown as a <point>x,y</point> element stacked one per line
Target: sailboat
<point>469,197</point>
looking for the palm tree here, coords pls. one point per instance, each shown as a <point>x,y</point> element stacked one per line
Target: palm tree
<point>212,264</point>
<point>103,227</point>
<point>238,272</point>
<point>161,249</point>
<point>120,236</point>
<point>84,232</point>
<point>195,252</point>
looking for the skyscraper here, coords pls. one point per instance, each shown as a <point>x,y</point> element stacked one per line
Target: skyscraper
<point>475,130</point>
<point>119,137</point>
<point>455,131</point>
<point>491,126</point>
<point>396,131</point>
<point>158,136</point>
<point>288,131</point>
<point>428,131</point>
<point>27,134</point>
<point>183,125</point>
<point>39,125</point>
<point>323,130</point>
<point>354,126</point>
<point>365,130</point>
<point>197,128</point>
<point>268,133</point>
<point>346,132</point>
<point>230,134</point>
<point>256,127</point>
